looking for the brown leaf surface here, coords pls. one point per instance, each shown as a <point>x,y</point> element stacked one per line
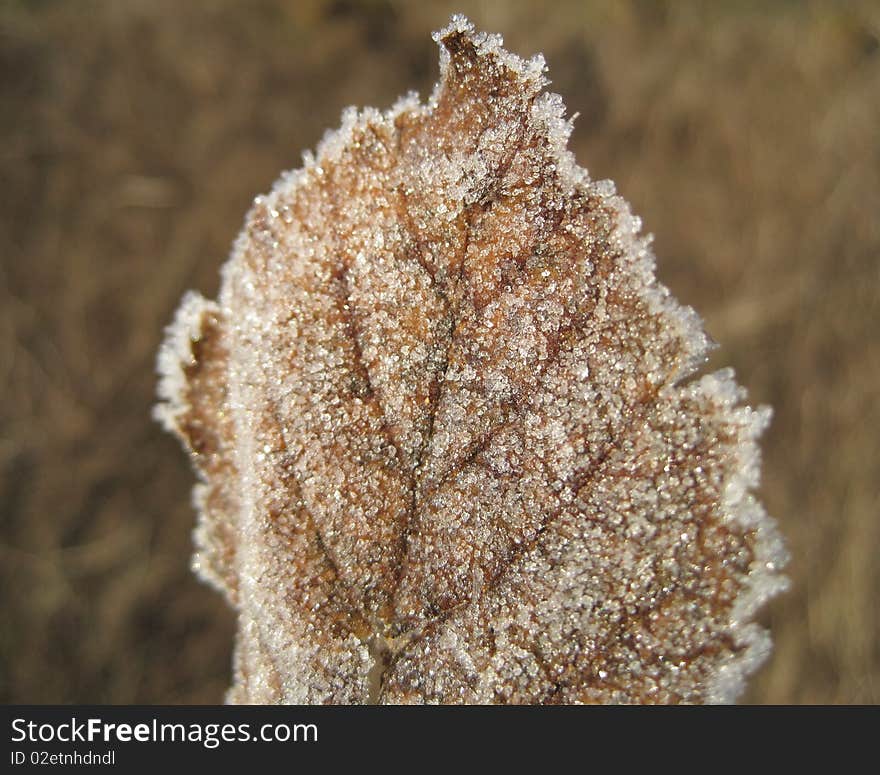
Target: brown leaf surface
<point>446,449</point>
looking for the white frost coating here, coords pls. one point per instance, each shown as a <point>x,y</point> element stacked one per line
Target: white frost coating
<point>442,415</point>
<point>175,353</point>
<point>764,581</point>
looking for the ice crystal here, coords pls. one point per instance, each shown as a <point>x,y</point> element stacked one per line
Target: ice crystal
<point>449,439</point>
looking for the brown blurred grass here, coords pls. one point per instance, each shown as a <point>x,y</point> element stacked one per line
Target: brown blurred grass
<point>133,136</point>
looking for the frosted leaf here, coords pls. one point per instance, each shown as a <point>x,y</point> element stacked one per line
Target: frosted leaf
<point>440,412</point>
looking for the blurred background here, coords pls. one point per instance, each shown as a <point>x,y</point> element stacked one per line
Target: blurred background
<point>133,137</point>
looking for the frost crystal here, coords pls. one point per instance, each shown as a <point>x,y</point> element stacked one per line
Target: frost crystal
<point>440,413</point>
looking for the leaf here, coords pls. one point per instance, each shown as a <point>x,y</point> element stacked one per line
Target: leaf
<point>440,412</point>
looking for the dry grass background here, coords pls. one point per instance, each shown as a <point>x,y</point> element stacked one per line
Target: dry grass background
<point>133,135</point>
